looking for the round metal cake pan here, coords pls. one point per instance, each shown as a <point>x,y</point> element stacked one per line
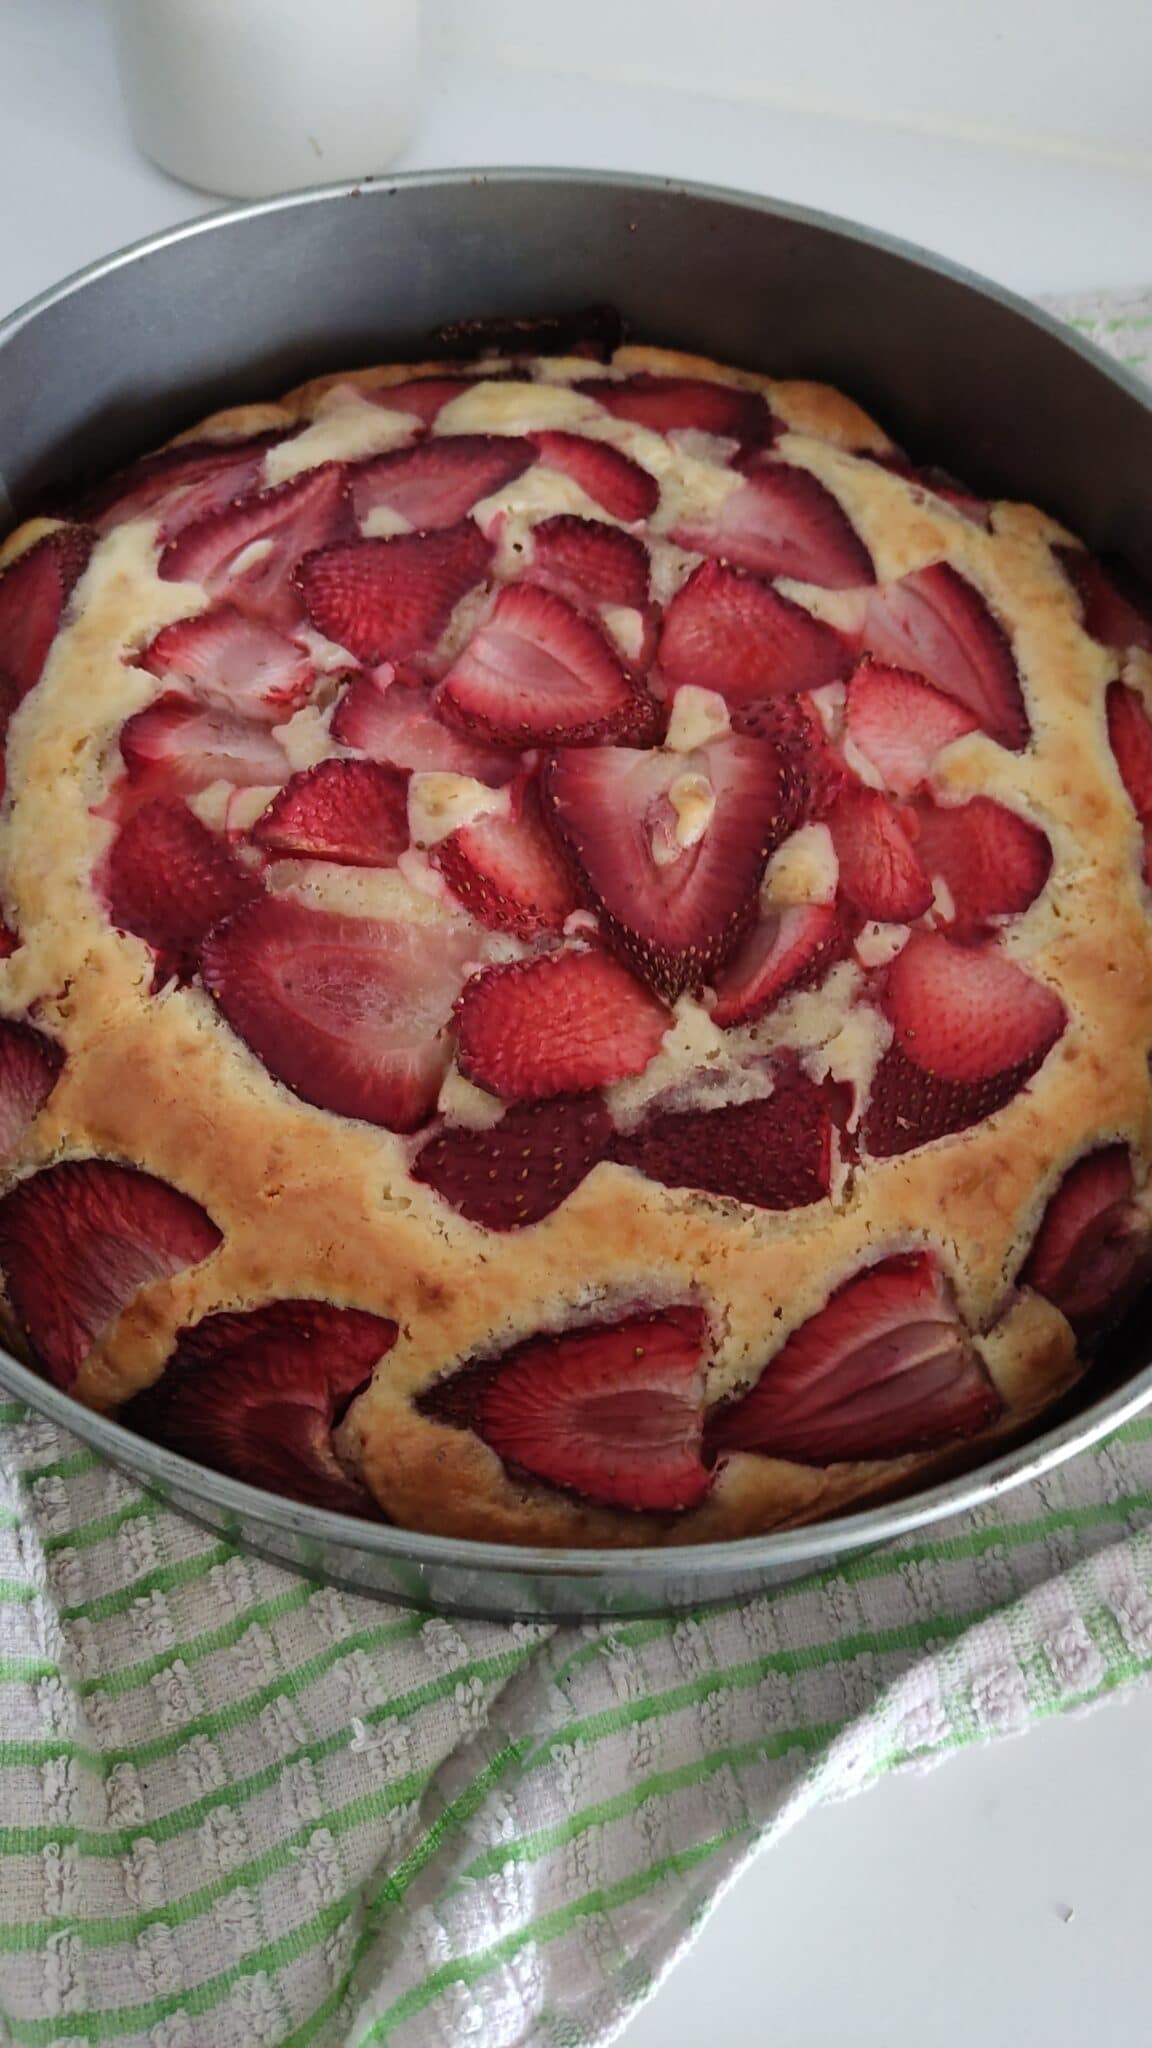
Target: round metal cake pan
<point>242,304</point>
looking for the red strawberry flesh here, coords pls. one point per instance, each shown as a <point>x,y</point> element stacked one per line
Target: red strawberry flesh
<point>970,1027</point>
<point>29,1066</point>
<point>900,723</point>
<point>663,404</point>
<point>350,1013</point>
<point>993,862</point>
<point>879,871</point>
<point>386,599</point>
<point>279,526</point>
<point>773,1153</point>
<point>559,1024</point>
<point>1109,616</point>
<point>393,718</point>
<point>676,920</point>
<point>619,485</point>
<point>507,872</point>
<point>936,623</point>
<point>1093,1250</point>
<point>792,725</point>
<point>1130,734</point>
<point>237,663</point>
<point>782,521</point>
<point>537,671</point>
<point>78,1240</point>
<point>884,1369</point>
<point>613,1413</point>
<point>522,1168</point>
<point>177,745</point>
<point>355,812</point>
<point>729,632</point>
<point>182,484</point>
<point>792,948</point>
<point>589,563</point>
<point>168,879</point>
<point>34,590</point>
<point>256,1394</point>
<point>439,481</point>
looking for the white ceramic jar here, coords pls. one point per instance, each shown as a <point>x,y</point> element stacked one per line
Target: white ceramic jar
<point>251,97</point>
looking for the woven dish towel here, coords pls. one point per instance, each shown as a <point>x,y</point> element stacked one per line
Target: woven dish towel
<point>238,1809</point>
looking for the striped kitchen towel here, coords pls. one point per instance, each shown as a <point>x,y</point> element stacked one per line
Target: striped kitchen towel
<point>240,1809</point>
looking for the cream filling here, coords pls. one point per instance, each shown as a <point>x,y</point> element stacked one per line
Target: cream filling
<point>803,870</point>
<point>698,717</point>
<point>440,803</point>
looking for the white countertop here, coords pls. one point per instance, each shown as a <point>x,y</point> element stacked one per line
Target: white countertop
<point>1005,1892</point>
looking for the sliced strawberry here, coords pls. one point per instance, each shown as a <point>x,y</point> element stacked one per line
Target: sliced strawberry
<point>384,599</point>
<point>1130,733</point>
<point>167,878</point>
<point>8,941</point>
<point>76,1243</point>
<point>993,861</point>
<point>258,1393</point>
<point>676,911</point>
<point>935,623</point>
<point>1092,1252</point>
<point>279,526</point>
<point>792,725</point>
<point>9,699</point>
<point>538,671</point>
<point>182,484</point>
<point>1109,615</point>
<point>775,1153</point>
<point>588,562</point>
<point>507,872</point>
<point>613,1412</point>
<point>899,723</point>
<point>355,812</point>
<point>782,521</point>
<point>176,745</point>
<point>34,589</point>
<point>664,403</point>
<point>438,482</point>
<point>559,1024</point>
<point>424,396</point>
<point>879,871</point>
<point>233,661</point>
<point>523,1168</point>
<point>393,718</point>
<point>29,1066</point>
<point>350,1013</point>
<point>787,949</point>
<point>970,1028</point>
<point>884,1369</point>
<point>729,632</point>
<point>624,489</point>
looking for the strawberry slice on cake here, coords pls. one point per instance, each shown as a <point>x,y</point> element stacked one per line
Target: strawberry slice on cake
<point>385,600</point>
<point>937,624</point>
<point>1093,1251</point>
<point>782,521</point>
<point>730,632</point>
<point>538,672</point>
<point>351,1013</point>
<point>438,482</point>
<point>521,1169</point>
<point>233,662</point>
<point>558,1024</point>
<point>899,723</point>
<point>773,1153</point>
<point>883,1369</point>
<point>256,1393</point>
<point>352,812</point>
<point>613,1413</point>
<point>34,592</point>
<point>246,551</point>
<point>970,1028</point>
<point>78,1240</point>
<point>672,847</point>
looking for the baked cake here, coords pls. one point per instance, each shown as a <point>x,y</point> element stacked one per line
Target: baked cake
<point>577,951</point>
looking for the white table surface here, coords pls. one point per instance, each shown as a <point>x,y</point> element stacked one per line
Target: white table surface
<point>1003,1897</point>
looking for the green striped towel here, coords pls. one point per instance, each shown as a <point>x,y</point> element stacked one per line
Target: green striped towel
<point>243,1810</point>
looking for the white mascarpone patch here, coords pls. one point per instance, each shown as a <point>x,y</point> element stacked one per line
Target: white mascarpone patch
<point>877,944</point>
<point>346,428</point>
<point>804,870</point>
<point>513,408</point>
<point>439,803</point>
<point>698,717</point>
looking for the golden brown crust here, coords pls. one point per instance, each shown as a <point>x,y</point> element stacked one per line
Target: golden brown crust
<point>310,1204</point>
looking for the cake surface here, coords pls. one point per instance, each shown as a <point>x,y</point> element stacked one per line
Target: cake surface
<point>576,952</point>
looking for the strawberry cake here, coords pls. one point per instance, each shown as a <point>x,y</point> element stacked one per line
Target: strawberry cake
<point>576,951</point>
